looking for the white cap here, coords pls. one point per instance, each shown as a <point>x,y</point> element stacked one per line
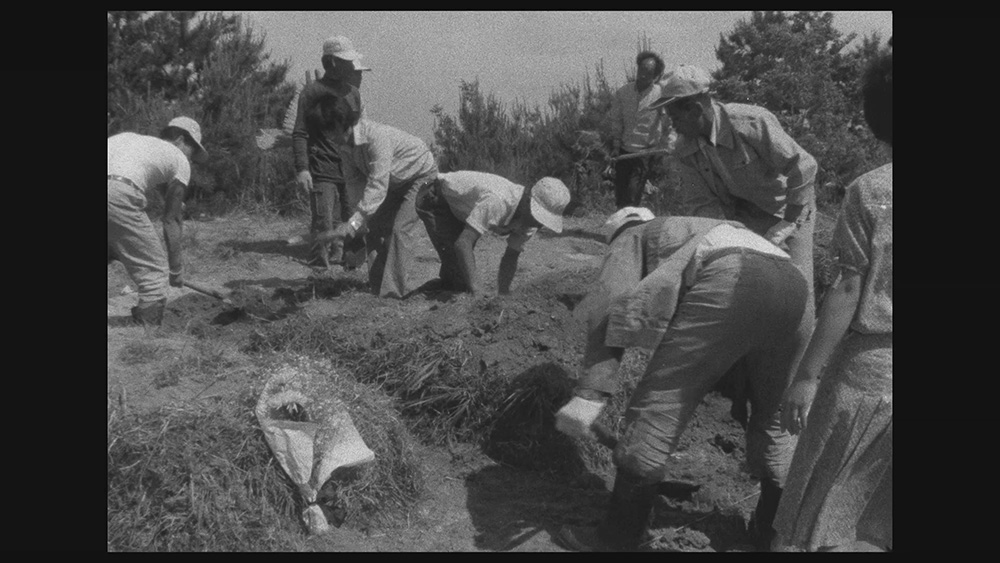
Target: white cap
<point>549,197</point>
<point>684,81</point>
<point>342,48</point>
<point>623,216</point>
<point>193,129</point>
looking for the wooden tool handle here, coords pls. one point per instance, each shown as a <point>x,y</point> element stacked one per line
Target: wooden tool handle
<point>605,436</point>
<point>204,289</point>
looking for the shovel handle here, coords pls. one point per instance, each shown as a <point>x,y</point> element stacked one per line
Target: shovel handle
<point>627,156</point>
<point>605,436</point>
<point>204,289</point>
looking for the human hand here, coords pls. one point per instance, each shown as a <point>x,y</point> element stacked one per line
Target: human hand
<point>577,416</point>
<point>779,232</point>
<point>337,234</point>
<point>796,404</point>
<point>304,181</point>
<point>177,279</point>
<point>616,148</point>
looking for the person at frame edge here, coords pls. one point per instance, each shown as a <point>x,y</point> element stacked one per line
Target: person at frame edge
<point>458,207</point>
<point>839,494</point>
<point>701,294</point>
<point>137,164</point>
<point>317,163</point>
<point>636,127</point>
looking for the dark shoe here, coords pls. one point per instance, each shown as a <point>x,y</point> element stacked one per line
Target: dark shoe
<point>625,523</point>
<point>585,538</point>
<point>150,314</point>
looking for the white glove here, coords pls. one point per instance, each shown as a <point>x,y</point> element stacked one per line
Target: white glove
<point>577,416</point>
<point>779,232</point>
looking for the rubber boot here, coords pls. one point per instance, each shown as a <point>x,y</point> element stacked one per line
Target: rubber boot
<point>149,314</point>
<point>624,524</point>
<point>767,508</point>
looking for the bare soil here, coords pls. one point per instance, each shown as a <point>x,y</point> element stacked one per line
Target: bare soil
<point>476,501</point>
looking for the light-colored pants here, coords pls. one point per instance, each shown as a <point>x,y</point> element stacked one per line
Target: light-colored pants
<point>134,240</point>
<point>743,307</point>
<point>392,239</point>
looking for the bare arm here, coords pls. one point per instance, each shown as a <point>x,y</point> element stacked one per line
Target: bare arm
<point>508,267</point>
<point>835,317</point>
<point>464,248</point>
<point>173,228</point>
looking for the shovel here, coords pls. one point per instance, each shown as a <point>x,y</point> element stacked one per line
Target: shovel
<point>672,489</point>
<point>200,288</point>
<point>641,154</point>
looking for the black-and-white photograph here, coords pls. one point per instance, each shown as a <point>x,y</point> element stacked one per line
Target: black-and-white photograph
<point>461,281</point>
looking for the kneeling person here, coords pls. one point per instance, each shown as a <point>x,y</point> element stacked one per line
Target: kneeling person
<point>701,294</point>
<point>460,206</point>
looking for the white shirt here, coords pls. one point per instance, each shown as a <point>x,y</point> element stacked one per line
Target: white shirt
<point>147,161</point>
<point>727,236</point>
<point>486,202</point>
<point>382,158</point>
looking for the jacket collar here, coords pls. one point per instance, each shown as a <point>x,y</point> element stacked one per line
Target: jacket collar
<point>722,133</point>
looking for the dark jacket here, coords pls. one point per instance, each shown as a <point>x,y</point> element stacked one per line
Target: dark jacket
<point>313,149</point>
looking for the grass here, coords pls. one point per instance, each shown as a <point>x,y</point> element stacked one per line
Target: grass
<point>446,394</point>
<point>207,360</point>
<point>201,477</point>
<point>139,352</point>
<point>187,478</point>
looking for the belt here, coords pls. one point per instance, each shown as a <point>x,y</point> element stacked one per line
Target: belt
<point>714,255</point>
<point>123,180</point>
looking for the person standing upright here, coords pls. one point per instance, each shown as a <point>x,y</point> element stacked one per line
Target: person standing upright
<point>840,480</point>
<point>317,163</point>
<point>635,128</point>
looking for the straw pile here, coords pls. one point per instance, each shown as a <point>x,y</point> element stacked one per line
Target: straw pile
<point>201,477</point>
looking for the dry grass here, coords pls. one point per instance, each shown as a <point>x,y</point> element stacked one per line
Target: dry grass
<point>186,478</point>
<point>432,380</point>
<point>201,477</point>
<point>446,395</point>
<point>208,359</point>
<point>139,352</point>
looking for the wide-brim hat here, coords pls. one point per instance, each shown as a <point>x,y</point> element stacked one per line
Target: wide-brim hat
<point>622,217</point>
<point>684,81</point>
<point>193,130</point>
<point>549,197</point>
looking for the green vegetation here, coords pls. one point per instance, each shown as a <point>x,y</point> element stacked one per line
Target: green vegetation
<point>216,69</point>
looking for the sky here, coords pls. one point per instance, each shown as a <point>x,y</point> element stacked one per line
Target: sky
<point>419,59</point>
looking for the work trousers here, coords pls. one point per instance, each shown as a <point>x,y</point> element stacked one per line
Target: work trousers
<point>630,180</point>
<point>393,233</point>
<point>743,306</point>
<point>135,242</point>
<point>443,228</point>
<point>328,206</point>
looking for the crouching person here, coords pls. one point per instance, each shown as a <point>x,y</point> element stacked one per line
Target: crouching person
<point>460,206</point>
<point>384,168</point>
<point>701,294</point>
<point>137,164</point>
